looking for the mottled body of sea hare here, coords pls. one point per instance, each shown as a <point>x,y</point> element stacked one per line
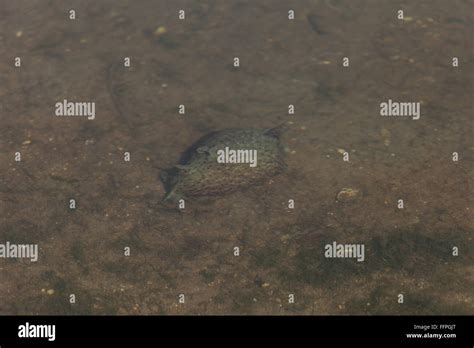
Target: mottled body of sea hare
<point>200,174</point>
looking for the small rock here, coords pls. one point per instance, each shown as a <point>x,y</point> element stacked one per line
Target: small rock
<point>347,194</point>
<point>160,31</point>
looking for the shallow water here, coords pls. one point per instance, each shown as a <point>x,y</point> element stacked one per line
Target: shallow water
<point>408,251</point>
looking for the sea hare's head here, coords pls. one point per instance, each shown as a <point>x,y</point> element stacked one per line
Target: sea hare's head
<point>169,178</point>
<point>171,181</point>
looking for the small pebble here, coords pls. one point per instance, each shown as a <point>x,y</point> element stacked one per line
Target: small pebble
<point>160,31</point>
<point>347,194</point>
